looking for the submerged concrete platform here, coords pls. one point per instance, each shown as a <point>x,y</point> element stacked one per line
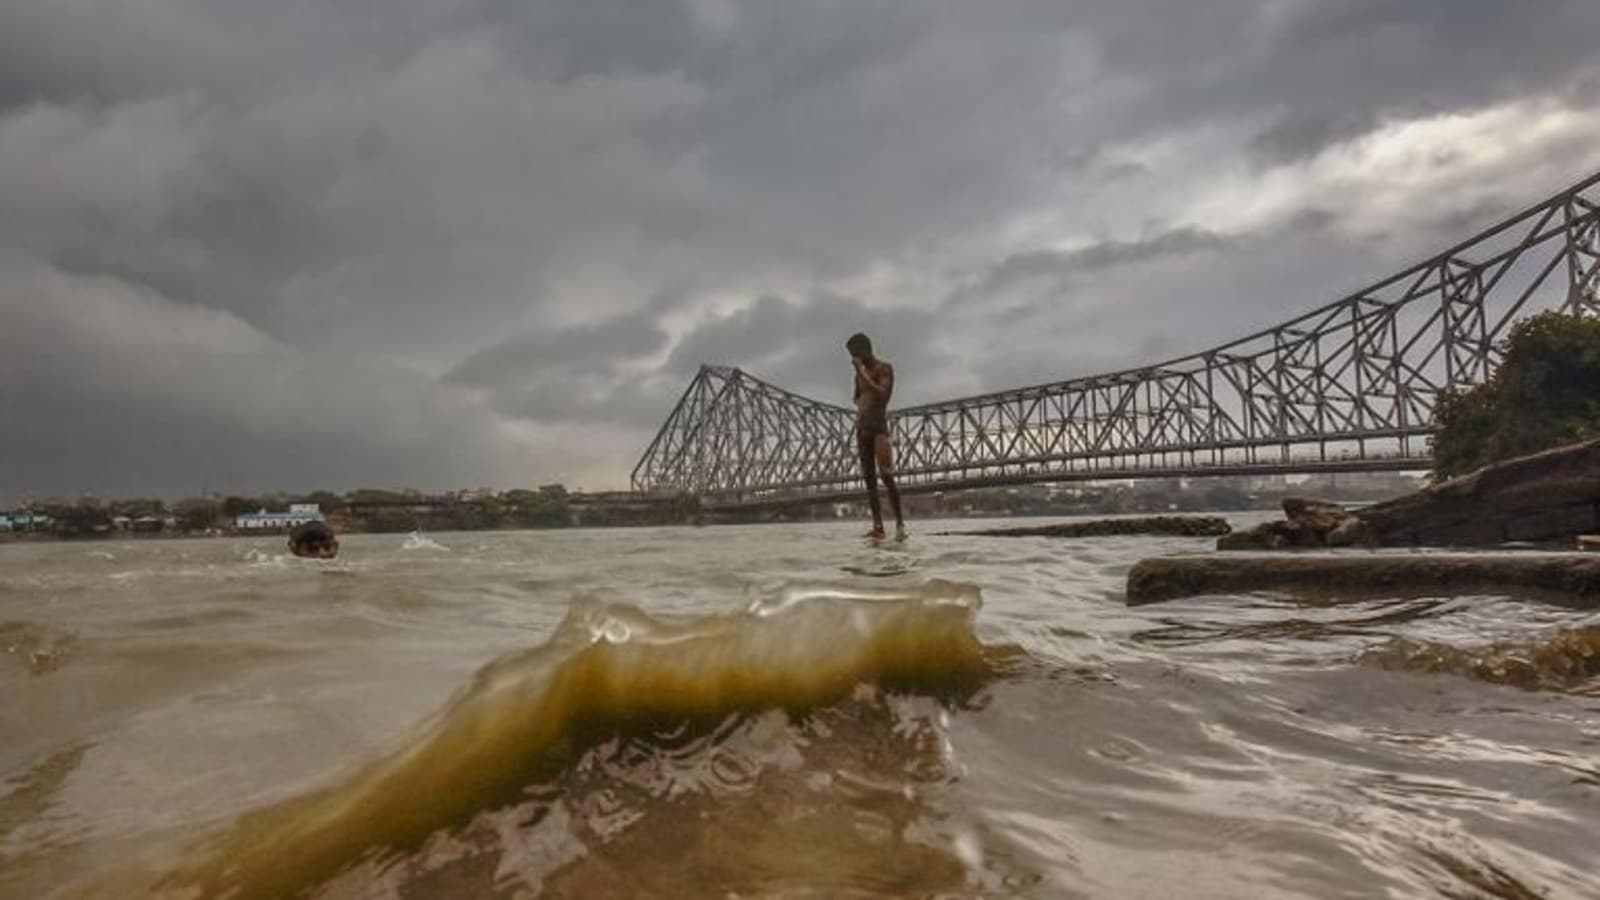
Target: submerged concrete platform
<point>1180,526</point>
<point>1570,579</point>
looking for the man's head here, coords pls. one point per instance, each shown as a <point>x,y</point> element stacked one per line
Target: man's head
<point>860,346</point>
<point>315,540</point>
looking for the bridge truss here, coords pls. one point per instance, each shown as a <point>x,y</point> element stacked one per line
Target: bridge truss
<point>1350,386</point>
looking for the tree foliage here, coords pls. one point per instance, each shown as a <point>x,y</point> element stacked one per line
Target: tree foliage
<point>82,520</point>
<point>548,507</point>
<point>198,514</point>
<point>1545,393</point>
<point>138,507</point>
<point>234,505</point>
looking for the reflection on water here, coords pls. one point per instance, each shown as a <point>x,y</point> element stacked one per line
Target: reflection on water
<point>770,712</point>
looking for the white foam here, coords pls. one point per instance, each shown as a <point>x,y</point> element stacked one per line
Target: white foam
<point>256,557</point>
<point>968,849</point>
<point>416,540</point>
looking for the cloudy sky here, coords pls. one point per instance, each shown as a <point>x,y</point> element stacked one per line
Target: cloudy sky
<point>454,243</point>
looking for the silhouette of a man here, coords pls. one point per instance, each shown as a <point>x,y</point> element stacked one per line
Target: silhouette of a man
<point>874,386</point>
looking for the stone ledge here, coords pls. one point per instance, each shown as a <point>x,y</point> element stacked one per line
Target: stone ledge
<point>1569,579</point>
<point>1180,526</point>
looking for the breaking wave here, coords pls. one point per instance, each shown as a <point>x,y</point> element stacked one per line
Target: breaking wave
<point>608,672</point>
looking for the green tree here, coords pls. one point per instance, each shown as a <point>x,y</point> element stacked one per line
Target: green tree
<point>139,508</point>
<point>325,500</point>
<point>233,506</point>
<point>84,520</point>
<point>548,507</point>
<point>197,514</point>
<point>1224,496</point>
<point>1545,393</point>
<point>393,521</point>
<point>373,497</point>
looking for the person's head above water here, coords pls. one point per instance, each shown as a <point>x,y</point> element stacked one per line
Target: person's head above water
<point>859,345</point>
<point>313,539</point>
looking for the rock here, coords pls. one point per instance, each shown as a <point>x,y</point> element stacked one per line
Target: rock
<point>1280,535</point>
<point>1571,579</point>
<point>1353,532</point>
<point>1311,524</point>
<point>1257,538</point>
<point>1547,497</point>
<point>1543,525</point>
<point>1318,516</point>
<point>1182,526</point>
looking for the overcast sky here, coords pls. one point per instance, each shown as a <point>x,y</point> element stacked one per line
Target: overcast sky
<point>454,243</point>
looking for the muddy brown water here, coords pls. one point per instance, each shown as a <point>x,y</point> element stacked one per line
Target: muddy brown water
<point>775,711</point>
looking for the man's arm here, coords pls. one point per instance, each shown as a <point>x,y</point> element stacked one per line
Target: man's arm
<point>881,381</point>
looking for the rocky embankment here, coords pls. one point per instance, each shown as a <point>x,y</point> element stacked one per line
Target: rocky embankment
<point>1179,526</point>
<point>1551,497</point>
<point>1571,579</point>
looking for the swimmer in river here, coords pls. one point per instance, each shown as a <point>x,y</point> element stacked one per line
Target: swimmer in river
<point>874,386</point>
<point>314,540</point>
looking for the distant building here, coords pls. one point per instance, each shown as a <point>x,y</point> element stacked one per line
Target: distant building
<point>24,521</point>
<point>261,520</point>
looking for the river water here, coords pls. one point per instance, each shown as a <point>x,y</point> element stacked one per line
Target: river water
<point>771,711</point>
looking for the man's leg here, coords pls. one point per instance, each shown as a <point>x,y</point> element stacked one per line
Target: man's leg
<point>885,459</point>
<point>869,472</point>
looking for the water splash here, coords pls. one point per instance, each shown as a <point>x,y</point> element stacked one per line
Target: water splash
<point>262,559</point>
<point>608,670</point>
<point>416,540</point>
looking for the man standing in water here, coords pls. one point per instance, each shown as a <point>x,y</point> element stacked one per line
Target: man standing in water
<point>874,385</point>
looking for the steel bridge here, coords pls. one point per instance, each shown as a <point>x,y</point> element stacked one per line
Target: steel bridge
<point>1349,386</point>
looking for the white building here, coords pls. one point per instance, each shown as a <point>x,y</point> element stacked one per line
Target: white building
<point>261,520</point>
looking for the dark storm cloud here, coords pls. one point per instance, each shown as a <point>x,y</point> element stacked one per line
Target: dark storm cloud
<point>1322,72</point>
<point>1297,135</point>
<point>800,343</point>
<point>108,388</point>
<point>1059,267</point>
<point>498,237</point>
<point>592,347</point>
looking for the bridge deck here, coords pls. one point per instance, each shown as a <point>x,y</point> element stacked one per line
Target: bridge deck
<point>844,495</point>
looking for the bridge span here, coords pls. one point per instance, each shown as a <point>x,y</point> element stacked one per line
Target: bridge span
<point>1349,386</point>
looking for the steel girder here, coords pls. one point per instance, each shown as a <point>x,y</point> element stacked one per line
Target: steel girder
<point>731,432</point>
<point>1352,384</point>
